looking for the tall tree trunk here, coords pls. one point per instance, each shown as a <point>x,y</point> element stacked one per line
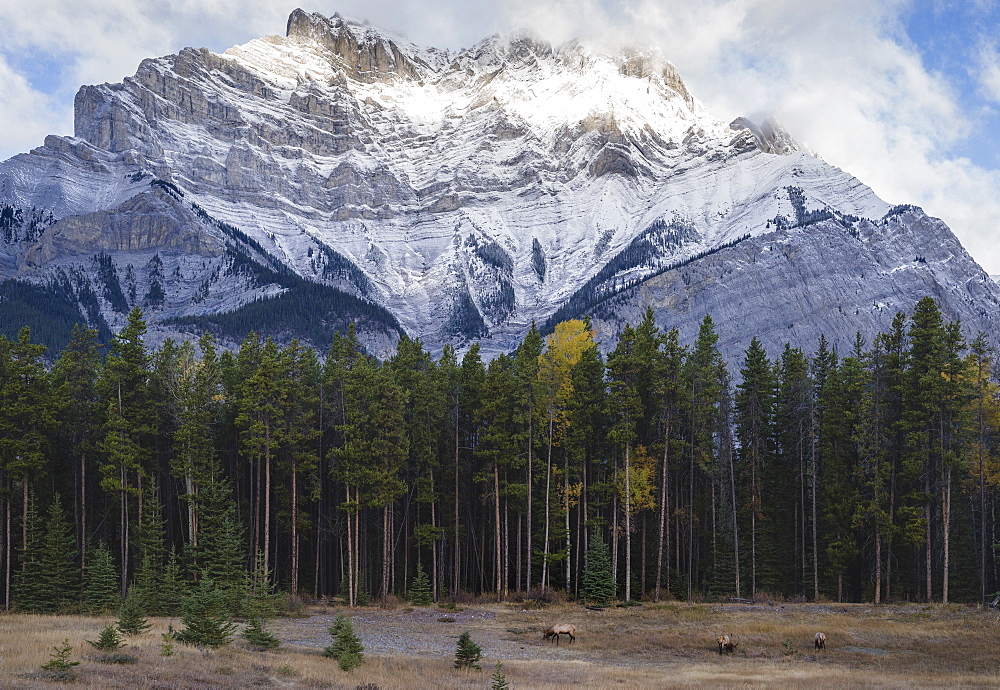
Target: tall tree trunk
<point>736,530</point>
<point>350,550</point>
<point>496,534</point>
<point>267,502</point>
<point>7,548</point>
<point>628,524</point>
<point>878,561</point>
<point>569,545</point>
<point>548,485</point>
<point>529,482</point>
<point>927,551</point>
<point>83,512</point>
<point>434,550</point>
<point>456,575</point>
<point>386,548</point>
<point>661,531</point>
<point>815,550</point>
<point>946,519</point>
<point>295,529</point>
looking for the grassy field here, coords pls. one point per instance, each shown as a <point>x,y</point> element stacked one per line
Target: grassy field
<point>667,645</point>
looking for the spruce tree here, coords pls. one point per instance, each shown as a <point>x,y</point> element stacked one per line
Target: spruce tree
<point>498,681</point>
<point>100,591</point>
<point>131,618</point>
<point>60,577</point>
<point>346,648</point>
<point>420,589</point>
<point>109,640</point>
<point>259,638</point>
<point>173,587</point>
<point>30,593</point>
<point>598,585</point>
<point>467,653</point>
<point>206,617</point>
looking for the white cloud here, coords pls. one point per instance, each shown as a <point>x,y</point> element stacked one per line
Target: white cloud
<point>27,115</point>
<point>842,76</point>
<point>988,72</point>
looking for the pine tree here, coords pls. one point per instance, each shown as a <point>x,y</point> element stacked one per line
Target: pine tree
<point>131,618</point>
<point>100,591</point>
<point>468,653</point>
<point>598,585</point>
<point>206,617</point>
<point>420,588</point>
<point>346,648</point>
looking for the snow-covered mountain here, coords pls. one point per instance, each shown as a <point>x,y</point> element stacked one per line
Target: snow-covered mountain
<point>341,173</point>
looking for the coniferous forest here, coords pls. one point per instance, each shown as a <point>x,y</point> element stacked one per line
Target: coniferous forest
<point>867,475</point>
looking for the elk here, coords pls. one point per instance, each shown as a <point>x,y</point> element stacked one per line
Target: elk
<point>560,629</point>
<point>820,641</point>
<point>726,644</point>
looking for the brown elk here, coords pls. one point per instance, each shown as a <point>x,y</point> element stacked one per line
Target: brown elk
<point>820,641</point>
<point>726,644</point>
<point>560,629</point>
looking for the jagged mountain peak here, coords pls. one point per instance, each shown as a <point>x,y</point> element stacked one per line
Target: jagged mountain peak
<point>456,196</point>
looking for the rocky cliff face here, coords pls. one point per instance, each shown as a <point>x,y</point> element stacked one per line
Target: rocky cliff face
<point>457,197</point>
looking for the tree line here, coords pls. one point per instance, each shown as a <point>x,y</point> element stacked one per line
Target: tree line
<point>866,475</point>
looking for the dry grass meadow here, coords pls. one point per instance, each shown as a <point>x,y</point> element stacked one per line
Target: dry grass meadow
<point>666,645</point>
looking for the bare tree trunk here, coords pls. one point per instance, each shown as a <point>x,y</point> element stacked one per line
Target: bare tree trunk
<point>7,551</point>
<point>569,544</point>
<point>350,551</point>
<point>527,535</point>
<point>628,524</point>
<point>946,518</point>
<point>815,550</point>
<point>927,551</point>
<point>736,530</point>
<point>83,512</point>
<point>385,590</point>
<point>295,529</point>
<point>456,575</point>
<point>878,562</point>
<point>434,552</point>
<point>267,503</point>
<point>548,483</point>
<point>664,508</point>
<point>496,532</point>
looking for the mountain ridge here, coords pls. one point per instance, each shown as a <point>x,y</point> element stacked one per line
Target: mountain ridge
<point>464,194</point>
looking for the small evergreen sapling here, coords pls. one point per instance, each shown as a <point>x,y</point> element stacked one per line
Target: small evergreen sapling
<point>131,620</point>
<point>59,659</point>
<point>420,589</point>
<point>259,638</point>
<point>468,653</point>
<point>346,648</point>
<point>498,681</point>
<point>109,640</point>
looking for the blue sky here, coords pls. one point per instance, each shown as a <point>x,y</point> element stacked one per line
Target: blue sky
<point>904,94</point>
